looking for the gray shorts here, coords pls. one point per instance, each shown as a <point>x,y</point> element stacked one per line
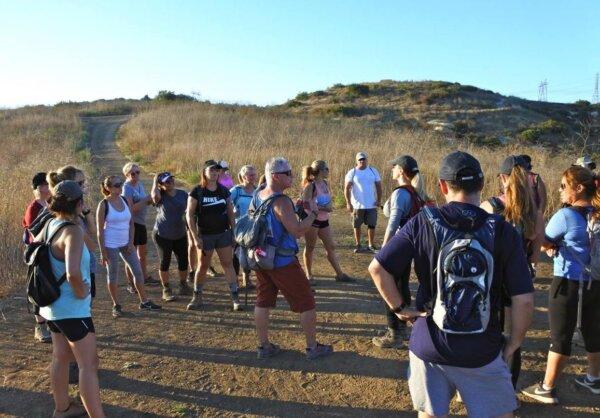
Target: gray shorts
<point>486,391</point>
<point>364,216</point>
<point>213,241</point>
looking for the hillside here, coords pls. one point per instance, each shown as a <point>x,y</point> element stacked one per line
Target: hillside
<point>454,110</point>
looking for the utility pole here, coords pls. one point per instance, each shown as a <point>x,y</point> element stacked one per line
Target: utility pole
<point>543,91</point>
<point>595,96</point>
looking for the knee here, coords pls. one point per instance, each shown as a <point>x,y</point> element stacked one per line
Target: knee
<point>61,357</point>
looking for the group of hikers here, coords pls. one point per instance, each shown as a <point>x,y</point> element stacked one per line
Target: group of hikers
<point>474,260</point>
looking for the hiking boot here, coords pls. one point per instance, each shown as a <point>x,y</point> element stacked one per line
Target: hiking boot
<point>116,311</point>
<point>391,339</point>
<point>196,302</point>
<point>268,351</point>
<point>74,410</point>
<point>359,249</point>
<point>184,289</point>
<point>344,278</point>
<point>150,306</point>
<point>73,373</point>
<point>167,295</point>
<point>150,281</point>
<point>537,392</point>
<point>592,385</point>
<point>42,334</point>
<point>319,350</point>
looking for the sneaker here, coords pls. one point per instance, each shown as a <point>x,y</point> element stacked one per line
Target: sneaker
<point>185,289</point>
<point>131,289</point>
<point>268,351</point>
<point>359,249</point>
<point>73,373</point>
<point>196,302</point>
<point>237,307</point>
<point>391,339</point>
<point>344,278</point>
<point>74,410</point>
<point>537,392</point>
<point>150,306</point>
<point>116,311</point>
<point>150,281</point>
<point>320,350</point>
<point>42,334</point>
<point>167,295</point>
<point>373,249</point>
<point>592,385</point>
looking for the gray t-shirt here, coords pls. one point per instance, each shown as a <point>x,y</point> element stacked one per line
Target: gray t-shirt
<point>136,193</point>
<point>170,222</point>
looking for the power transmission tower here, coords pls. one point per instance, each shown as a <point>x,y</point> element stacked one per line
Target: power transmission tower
<point>543,91</point>
<point>595,96</point>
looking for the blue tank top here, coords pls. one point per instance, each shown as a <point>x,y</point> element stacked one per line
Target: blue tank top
<point>278,234</point>
<point>68,305</point>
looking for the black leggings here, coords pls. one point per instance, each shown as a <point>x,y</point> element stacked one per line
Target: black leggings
<point>236,260</point>
<point>515,363</point>
<point>167,246</point>
<point>393,321</point>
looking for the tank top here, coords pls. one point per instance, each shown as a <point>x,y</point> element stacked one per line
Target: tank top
<point>322,197</point>
<point>116,226</point>
<point>278,234</point>
<point>68,305</point>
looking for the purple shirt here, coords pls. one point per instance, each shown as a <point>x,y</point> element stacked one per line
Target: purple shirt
<point>415,241</point>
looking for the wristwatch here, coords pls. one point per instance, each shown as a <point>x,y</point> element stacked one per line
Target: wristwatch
<point>399,308</point>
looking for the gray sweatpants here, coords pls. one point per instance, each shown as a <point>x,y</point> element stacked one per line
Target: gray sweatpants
<point>132,261</point>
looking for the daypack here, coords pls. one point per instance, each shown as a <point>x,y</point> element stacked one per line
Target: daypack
<point>593,230</point>
<point>416,202</point>
<point>43,288</point>
<point>462,280</point>
<point>252,232</point>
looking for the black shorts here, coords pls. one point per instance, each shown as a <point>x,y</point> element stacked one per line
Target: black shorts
<point>74,329</point>
<point>320,224</point>
<point>562,310</point>
<point>166,246</point>
<point>140,234</point>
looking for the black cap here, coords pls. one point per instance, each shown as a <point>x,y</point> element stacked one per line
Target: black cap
<point>69,189</point>
<point>460,167</point>
<point>39,180</point>
<point>511,162</point>
<point>212,163</point>
<point>527,161</point>
<point>407,163</point>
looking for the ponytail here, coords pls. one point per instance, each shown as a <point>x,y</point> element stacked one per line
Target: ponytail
<point>53,178</point>
<point>418,183</point>
<point>519,207</point>
<point>105,186</point>
<point>308,175</point>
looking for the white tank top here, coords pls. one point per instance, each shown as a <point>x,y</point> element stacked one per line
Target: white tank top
<point>116,227</point>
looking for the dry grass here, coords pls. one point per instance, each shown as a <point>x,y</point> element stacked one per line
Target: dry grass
<point>180,137</point>
<point>31,139</point>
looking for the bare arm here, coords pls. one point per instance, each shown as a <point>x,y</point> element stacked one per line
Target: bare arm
<point>521,315</point>
<point>379,193</point>
<point>230,213</point>
<point>539,238</point>
<point>100,230</point>
<point>73,239</point>
<point>284,211</point>
<point>192,225</point>
<point>347,191</point>
<point>155,192</point>
<point>543,193</point>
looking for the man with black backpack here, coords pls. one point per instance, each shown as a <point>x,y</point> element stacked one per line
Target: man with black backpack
<point>463,257</point>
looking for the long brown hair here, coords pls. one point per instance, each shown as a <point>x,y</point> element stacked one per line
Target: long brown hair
<point>519,205</point>
<point>106,184</point>
<point>576,175</point>
<point>310,172</point>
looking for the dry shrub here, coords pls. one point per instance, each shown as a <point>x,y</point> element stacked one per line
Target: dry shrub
<point>180,137</point>
<point>31,139</point>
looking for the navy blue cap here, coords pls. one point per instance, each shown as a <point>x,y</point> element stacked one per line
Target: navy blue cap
<point>460,167</point>
<point>212,163</point>
<point>162,177</point>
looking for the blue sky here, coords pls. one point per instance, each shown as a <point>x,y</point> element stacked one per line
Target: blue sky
<point>265,52</point>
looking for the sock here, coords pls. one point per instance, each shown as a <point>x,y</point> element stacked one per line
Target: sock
<point>546,387</point>
<point>592,378</point>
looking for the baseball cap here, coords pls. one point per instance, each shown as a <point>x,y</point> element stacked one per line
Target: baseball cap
<point>361,155</point>
<point>527,159</point>
<point>586,162</point>
<point>212,163</point>
<point>69,189</point>
<point>511,162</point>
<point>406,162</point>
<point>162,177</point>
<point>224,165</point>
<point>39,180</point>
<point>460,167</point>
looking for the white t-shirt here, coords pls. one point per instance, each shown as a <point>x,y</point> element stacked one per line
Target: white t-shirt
<point>363,193</point>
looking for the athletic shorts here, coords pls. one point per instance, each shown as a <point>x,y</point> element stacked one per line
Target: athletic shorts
<point>165,247</point>
<point>74,329</point>
<point>486,391</point>
<point>214,241</point>
<point>293,284</point>
<point>562,311</point>
<point>364,216</point>
<point>140,234</point>
<point>320,224</point>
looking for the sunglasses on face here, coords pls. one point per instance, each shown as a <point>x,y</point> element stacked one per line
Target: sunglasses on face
<point>287,173</point>
<point>362,159</point>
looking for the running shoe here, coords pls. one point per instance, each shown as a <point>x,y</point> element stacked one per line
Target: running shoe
<point>373,249</point>
<point>359,249</point>
<point>268,351</point>
<point>211,272</point>
<point>116,311</point>
<point>42,334</point>
<point>237,306</point>
<point>592,385</point>
<point>196,302</point>
<point>537,392</point>
<point>184,289</point>
<point>390,339</point>
<point>167,294</point>
<point>74,410</point>
<point>150,306</point>
<point>320,350</point>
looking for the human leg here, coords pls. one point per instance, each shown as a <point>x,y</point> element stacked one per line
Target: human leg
<point>59,371</point>
<point>325,234</point>
<point>87,358</point>
<point>310,239</point>
<point>133,262</point>
<point>112,274</point>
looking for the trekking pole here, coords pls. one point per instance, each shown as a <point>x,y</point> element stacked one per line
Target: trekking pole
<point>579,336</point>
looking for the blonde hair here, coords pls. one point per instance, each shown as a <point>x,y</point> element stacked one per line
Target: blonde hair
<point>68,172</point>
<point>310,172</point>
<point>418,183</point>
<point>243,172</point>
<point>128,167</point>
<point>519,202</point>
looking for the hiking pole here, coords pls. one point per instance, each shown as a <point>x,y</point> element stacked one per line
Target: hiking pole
<point>578,337</point>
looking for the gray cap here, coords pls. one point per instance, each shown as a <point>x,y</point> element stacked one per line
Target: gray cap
<point>361,155</point>
<point>69,189</point>
<point>460,167</point>
<point>407,163</point>
<point>511,162</point>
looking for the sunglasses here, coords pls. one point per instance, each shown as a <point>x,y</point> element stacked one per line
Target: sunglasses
<point>117,185</point>
<point>362,159</point>
<point>287,173</point>
<point>563,186</point>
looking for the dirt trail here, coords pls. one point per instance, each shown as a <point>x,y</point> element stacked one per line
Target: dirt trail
<point>180,363</point>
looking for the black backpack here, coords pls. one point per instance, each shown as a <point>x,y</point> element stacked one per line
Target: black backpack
<point>43,288</point>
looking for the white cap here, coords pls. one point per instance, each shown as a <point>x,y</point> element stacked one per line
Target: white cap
<point>224,164</point>
<point>361,155</point>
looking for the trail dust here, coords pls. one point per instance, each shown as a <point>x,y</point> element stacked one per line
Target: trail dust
<point>178,363</point>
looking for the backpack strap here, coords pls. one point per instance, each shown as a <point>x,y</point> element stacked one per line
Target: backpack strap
<point>417,202</point>
<point>48,240</point>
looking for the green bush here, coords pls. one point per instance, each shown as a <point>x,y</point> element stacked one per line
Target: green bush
<point>462,127</point>
<point>552,126</point>
<point>583,104</point>
<point>530,135</point>
<point>357,90</point>
<point>169,96</point>
<point>341,110</point>
<point>319,93</point>
<point>294,103</point>
<point>302,96</point>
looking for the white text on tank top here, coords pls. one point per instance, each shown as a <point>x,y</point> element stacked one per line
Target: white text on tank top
<point>116,227</point>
